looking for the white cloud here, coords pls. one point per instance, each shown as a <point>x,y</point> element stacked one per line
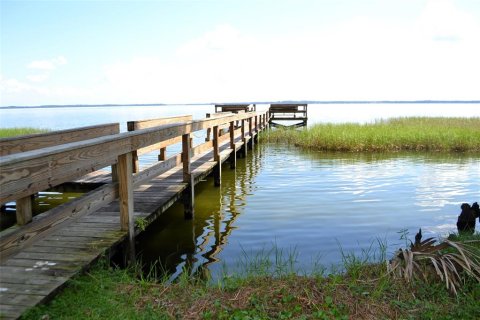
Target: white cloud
<point>38,77</point>
<point>35,94</point>
<point>441,20</point>
<point>434,56</point>
<point>50,64</point>
<point>46,67</point>
<point>8,86</point>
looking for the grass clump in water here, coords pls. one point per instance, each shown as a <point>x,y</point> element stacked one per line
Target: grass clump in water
<point>363,290</point>
<point>13,132</point>
<point>396,134</point>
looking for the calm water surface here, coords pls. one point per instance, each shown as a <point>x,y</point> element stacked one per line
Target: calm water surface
<point>314,205</point>
<point>307,203</point>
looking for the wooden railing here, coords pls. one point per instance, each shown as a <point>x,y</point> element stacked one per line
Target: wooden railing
<point>162,146</point>
<point>27,173</point>
<point>43,140</point>
<point>26,143</point>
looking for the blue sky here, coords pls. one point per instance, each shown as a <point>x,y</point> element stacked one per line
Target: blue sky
<point>76,52</point>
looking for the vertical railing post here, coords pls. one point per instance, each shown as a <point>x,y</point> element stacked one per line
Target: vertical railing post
<point>24,210</point>
<point>233,155</point>
<point>135,163</point>
<point>163,154</point>
<point>244,140</point>
<point>188,196</point>
<point>217,170</point>
<point>114,168</point>
<point>256,129</point>
<point>125,191</point>
<point>209,130</point>
<point>250,132</point>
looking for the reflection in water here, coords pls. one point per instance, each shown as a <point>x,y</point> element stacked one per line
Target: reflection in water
<point>312,203</point>
<point>173,244</point>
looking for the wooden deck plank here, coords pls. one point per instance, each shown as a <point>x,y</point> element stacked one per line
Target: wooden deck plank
<point>14,299</point>
<point>10,312</point>
<point>19,288</point>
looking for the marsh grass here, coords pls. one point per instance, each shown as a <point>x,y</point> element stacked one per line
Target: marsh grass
<point>363,290</point>
<point>12,132</point>
<point>396,134</point>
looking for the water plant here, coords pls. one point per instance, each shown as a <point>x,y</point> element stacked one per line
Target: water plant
<point>141,223</point>
<point>12,132</point>
<point>396,134</point>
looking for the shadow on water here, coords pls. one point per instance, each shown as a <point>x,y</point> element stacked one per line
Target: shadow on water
<point>172,244</point>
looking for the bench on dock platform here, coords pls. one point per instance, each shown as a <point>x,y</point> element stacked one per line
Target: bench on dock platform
<point>293,109</point>
<point>73,235</point>
<point>235,108</point>
<point>288,112</point>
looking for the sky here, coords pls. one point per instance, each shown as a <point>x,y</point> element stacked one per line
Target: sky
<point>100,52</point>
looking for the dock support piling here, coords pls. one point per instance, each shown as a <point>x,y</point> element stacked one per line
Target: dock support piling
<point>125,190</point>
<point>217,170</point>
<point>188,196</point>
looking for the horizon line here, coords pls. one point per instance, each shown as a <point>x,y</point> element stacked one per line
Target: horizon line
<point>247,102</point>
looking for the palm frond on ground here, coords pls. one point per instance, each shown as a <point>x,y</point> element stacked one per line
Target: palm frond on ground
<point>451,262</point>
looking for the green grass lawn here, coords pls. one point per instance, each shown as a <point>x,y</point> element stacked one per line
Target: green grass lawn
<point>12,132</point>
<point>363,291</point>
<point>397,134</point>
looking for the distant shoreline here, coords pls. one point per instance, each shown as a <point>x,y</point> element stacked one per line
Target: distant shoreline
<point>257,102</point>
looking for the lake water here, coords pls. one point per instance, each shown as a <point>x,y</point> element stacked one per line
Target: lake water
<point>312,204</point>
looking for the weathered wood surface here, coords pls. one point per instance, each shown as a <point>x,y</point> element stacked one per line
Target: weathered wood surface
<point>42,140</point>
<point>150,123</point>
<point>161,146</point>
<point>53,249</point>
<point>38,258</point>
<point>33,171</point>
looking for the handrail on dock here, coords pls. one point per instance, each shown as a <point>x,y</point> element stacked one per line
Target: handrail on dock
<point>71,236</point>
<point>26,173</point>
<point>18,144</point>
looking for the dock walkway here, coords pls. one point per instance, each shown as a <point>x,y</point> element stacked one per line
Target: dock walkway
<point>37,259</point>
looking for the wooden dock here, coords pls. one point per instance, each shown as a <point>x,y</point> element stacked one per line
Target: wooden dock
<point>296,112</point>
<point>40,254</point>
